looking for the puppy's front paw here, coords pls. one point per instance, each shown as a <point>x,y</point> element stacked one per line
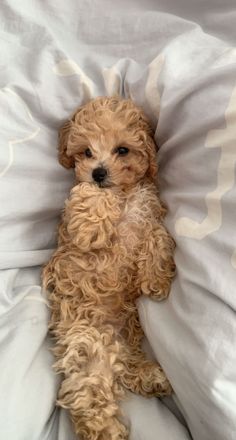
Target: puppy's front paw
<point>157,279</point>
<point>91,215</point>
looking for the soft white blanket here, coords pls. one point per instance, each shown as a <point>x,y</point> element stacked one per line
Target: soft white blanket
<point>177,59</point>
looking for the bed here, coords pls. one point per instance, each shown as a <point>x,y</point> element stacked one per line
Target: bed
<point>176,58</point>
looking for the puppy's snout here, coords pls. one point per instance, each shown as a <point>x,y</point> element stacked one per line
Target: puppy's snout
<point>99,174</point>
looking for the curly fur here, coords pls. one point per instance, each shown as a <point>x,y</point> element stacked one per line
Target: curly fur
<point>112,247</point>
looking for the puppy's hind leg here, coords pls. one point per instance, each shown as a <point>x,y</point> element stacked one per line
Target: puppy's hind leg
<point>144,377</point>
<point>140,375</point>
<point>90,390</point>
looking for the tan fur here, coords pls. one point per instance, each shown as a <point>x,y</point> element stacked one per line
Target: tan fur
<point>112,248</point>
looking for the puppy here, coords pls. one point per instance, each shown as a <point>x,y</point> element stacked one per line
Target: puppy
<point>112,248</point>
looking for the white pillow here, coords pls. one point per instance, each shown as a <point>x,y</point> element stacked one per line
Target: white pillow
<point>185,80</point>
<point>193,333</point>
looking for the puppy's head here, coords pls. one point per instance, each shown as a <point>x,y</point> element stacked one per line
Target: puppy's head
<point>110,142</point>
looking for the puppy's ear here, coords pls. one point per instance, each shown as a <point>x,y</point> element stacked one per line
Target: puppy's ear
<point>64,159</point>
<point>152,153</point>
<point>149,141</point>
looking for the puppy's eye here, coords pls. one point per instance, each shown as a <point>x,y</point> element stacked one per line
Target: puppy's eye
<point>122,151</point>
<point>88,152</point>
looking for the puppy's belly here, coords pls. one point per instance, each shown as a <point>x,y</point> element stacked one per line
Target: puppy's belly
<point>131,227</point>
<point>129,235</point>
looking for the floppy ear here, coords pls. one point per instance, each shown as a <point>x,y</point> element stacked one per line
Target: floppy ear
<point>64,159</point>
<point>151,147</point>
<point>152,153</point>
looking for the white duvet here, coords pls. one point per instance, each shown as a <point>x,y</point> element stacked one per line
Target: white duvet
<point>177,59</point>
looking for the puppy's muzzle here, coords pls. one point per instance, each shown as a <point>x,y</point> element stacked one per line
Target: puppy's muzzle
<point>99,175</point>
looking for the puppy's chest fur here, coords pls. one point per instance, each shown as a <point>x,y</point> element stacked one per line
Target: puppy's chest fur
<point>135,217</point>
<point>106,233</point>
<point>99,219</point>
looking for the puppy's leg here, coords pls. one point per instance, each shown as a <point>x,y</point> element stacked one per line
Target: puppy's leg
<point>140,375</point>
<point>91,216</point>
<point>156,264</point>
<point>144,377</point>
<point>90,391</point>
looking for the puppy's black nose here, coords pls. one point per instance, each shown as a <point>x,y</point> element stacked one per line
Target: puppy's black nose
<point>99,174</point>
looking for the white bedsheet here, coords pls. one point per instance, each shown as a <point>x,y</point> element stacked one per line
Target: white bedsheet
<point>177,59</point>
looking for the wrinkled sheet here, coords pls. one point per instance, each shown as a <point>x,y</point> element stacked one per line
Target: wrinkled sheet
<point>177,59</point>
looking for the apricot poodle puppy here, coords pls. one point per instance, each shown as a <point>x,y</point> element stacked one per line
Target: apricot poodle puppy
<point>112,248</point>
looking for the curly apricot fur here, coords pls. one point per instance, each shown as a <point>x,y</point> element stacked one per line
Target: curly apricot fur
<point>112,247</point>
